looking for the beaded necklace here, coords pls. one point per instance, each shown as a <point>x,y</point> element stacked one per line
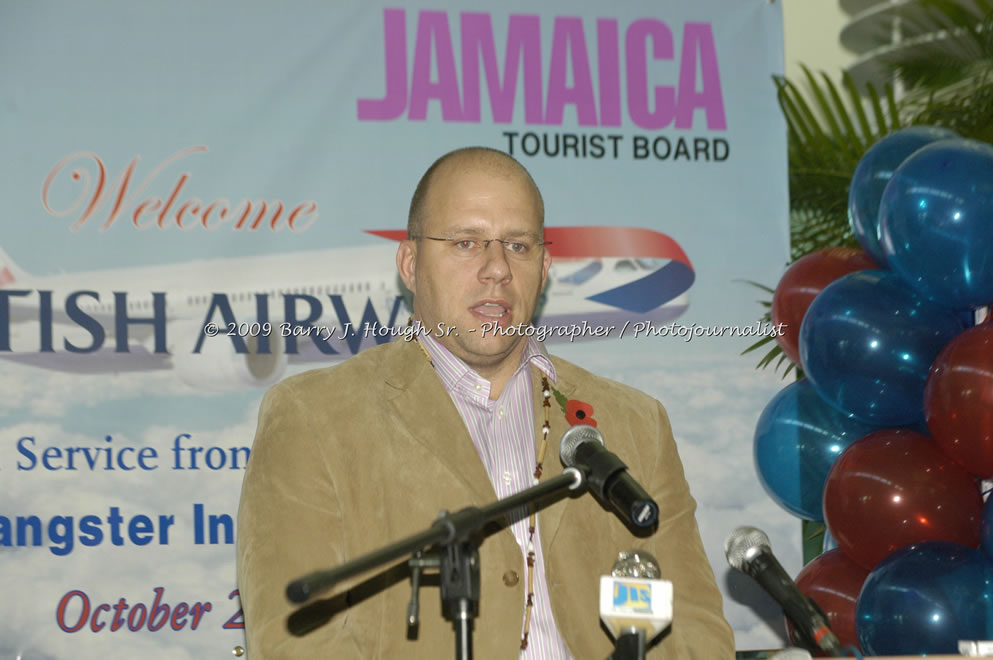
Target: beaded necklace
<point>546,395</point>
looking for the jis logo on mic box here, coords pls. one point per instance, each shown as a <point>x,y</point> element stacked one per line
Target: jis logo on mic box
<point>632,597</point>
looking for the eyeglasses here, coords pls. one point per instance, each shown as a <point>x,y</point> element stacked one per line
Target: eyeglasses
<point>467,246</point>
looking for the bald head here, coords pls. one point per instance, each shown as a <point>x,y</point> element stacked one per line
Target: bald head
<point>476,159</point>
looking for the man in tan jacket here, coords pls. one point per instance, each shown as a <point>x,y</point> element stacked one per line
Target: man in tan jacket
<point>351,458</point>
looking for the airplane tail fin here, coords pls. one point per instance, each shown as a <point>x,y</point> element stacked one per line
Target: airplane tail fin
<point>10,272</point>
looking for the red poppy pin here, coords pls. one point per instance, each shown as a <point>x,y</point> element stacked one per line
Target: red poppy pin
<point>576,411</point>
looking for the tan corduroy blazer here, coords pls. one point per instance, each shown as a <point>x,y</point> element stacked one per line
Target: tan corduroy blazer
<point>354,457</point>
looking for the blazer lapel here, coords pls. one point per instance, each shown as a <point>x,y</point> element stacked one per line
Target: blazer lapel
<point>422,408</point>
<point>551,515</point>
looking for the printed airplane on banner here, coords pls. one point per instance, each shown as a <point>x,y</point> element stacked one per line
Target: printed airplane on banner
<point>234,322</point>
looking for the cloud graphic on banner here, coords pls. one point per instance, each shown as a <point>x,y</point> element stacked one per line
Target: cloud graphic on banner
<point>52,393</point>
<point>186,571</point>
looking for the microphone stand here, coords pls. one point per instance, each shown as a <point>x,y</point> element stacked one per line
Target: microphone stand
<point>459,557</point>
<point>630,646</point>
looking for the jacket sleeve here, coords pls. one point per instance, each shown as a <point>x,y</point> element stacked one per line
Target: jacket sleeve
<point>699,630</point>
<point>289,524</point>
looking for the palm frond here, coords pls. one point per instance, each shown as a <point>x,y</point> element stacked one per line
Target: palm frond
<point>757,285</point>
<point>830,128</point>
<point>968,113</point>
<point>949,69</point>
<point>774,351</point>
<point>812,534</point>
<point>949,43</point>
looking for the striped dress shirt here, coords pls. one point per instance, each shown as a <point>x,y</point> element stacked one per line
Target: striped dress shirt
<point>503,432</point>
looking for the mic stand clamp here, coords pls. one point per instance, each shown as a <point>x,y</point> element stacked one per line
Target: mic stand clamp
<point>459,578</point>
<point>418,562</point>
<point>460,591</point>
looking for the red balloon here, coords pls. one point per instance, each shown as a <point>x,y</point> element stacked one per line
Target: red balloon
<point>834,581</point>
<point>958,400</point>
<point>893,488</point>
<point>801,283</point>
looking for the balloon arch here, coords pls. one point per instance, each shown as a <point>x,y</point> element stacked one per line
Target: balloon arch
<point>888,437</point>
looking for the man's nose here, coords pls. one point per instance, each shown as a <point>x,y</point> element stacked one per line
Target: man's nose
<point>495,265</point>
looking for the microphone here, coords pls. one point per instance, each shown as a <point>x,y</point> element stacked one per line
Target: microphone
<point>582,447</point>
<point>748,550</point>
<point>635,606</point>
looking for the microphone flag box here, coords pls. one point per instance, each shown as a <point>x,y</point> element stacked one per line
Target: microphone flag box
<point>976,648</point>
<point>634,603</point>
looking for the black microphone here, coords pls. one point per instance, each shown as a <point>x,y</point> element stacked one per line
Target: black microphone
<point>582,447</point>
<point>748,550</point>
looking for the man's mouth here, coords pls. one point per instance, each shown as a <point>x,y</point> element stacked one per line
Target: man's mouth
<point>491,310</point>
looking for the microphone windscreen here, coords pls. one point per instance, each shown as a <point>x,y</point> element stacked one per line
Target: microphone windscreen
<point>742,543</point>
<point>636,564</point>
<point>573,438</point>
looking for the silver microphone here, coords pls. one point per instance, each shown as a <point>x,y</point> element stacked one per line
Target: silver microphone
<point>636,564</point>
<point>748,550</point>
<point>635,605</point>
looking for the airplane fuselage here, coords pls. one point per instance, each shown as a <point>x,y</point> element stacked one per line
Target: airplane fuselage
<point>297,307</point>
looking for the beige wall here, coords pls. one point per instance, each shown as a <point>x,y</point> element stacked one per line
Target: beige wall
<point>811,29</point>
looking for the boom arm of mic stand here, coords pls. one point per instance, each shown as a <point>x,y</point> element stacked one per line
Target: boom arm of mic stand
<point>449,528</point>
<point>303,589</point>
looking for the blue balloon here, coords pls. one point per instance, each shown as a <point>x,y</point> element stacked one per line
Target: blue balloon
<point>936,222</point>
<point>874,172</point>
<point>797,440</point>
<point>986,531</point>
<point>867,343</point>
<point>924,598</point>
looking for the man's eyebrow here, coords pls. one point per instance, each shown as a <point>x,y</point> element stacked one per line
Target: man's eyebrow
<point>519,233</point>
<point>464,230</point>
<point>477,231</point>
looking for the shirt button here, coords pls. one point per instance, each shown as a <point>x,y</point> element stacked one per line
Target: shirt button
<point>501,412</point>
<point>507,478</point>
<point>510,578</point>
<point>478,387</point>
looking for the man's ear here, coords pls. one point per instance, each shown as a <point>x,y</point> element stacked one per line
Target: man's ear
<point>545,264</point>
<point>406,262</point>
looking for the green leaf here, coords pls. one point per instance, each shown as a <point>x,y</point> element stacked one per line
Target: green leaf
<point>853,143</point>
<point>759,344</point>
<point>823,105</point>
<point>770,356</point>
<point>894,112</point>
<point>813,539</point>
<point>856,101</point>
<point>757,285</point>
<point>877,109</point>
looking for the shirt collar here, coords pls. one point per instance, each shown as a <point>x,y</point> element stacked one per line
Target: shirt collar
<point>456,375</point>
